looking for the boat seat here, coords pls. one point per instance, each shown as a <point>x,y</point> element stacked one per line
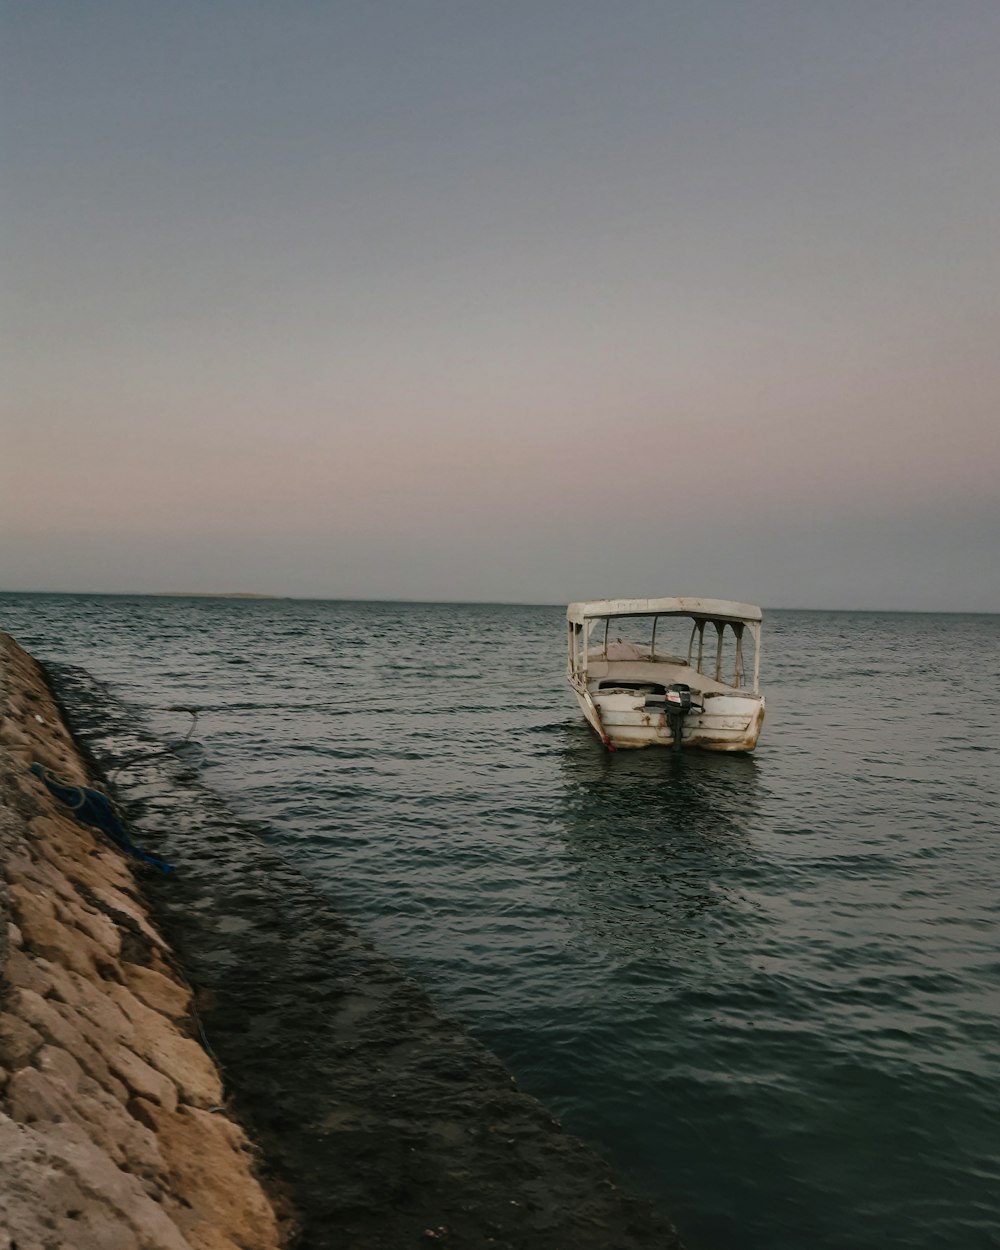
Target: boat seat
<point>614,683</point>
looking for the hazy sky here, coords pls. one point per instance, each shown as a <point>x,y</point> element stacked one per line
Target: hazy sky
<point>524,301</point>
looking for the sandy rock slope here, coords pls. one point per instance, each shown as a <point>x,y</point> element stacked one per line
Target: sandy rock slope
<point>114,1134</point>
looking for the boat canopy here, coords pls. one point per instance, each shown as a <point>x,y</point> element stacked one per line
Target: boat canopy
<point>698,609</point>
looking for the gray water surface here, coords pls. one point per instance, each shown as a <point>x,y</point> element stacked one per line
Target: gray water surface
<point>766,987</point>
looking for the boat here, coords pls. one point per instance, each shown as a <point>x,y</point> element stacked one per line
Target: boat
<point>667,672</point>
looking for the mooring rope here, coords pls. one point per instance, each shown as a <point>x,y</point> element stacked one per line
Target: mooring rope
<point>91,807</point>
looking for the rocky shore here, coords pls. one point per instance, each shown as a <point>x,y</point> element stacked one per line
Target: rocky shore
<point>378,1123</point>
<point>114,1133</point>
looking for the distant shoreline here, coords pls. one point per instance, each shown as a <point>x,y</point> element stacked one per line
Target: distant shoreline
<point>211,594</point>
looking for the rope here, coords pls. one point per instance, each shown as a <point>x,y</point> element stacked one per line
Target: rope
<point>97,810</point>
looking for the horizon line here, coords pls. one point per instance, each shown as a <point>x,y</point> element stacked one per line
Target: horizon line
<point>252,596</point>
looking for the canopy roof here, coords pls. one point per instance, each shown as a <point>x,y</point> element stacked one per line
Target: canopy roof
<point>699,609</point>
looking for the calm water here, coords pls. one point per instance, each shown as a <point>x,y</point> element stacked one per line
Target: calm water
<point>766,988</point>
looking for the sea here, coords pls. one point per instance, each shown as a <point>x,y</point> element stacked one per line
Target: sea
<point>766,988</point>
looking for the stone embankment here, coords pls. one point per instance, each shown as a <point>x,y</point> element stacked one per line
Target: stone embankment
<point>114,1130</point>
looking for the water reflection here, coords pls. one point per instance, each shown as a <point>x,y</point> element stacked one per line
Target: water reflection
<point>655,842</point>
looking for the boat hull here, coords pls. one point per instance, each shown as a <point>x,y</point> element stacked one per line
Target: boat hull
<point>727,723</point>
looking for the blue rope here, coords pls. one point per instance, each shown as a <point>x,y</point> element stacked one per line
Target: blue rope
<point>90,807</point>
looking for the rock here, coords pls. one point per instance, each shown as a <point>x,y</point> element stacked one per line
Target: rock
<point>142,1079</point>
<point>128,1142</point>
<point>23,972</point>
<point>44,1207</point>
<point>158,991</point>
<point>208,1165</point>
<point>50,937</point>
<point>64,841</point>
<point>126,913</point>
<point>181,1058</point>
<point>120,1193</point>
<point>11,733</point>
<point>47,1019</point>
<point>18,1041</point>
<point>91,1002</point>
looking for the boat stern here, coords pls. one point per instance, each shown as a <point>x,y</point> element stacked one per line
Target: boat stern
<point>630,719</point>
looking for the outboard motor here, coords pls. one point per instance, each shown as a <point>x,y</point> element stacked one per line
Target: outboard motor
<point>677,704</point>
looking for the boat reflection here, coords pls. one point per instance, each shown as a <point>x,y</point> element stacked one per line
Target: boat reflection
<point>658,845</point>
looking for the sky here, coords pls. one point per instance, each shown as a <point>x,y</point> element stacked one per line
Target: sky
<point>515,301</point>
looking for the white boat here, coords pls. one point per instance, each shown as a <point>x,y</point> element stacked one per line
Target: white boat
<point>635,692</point>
